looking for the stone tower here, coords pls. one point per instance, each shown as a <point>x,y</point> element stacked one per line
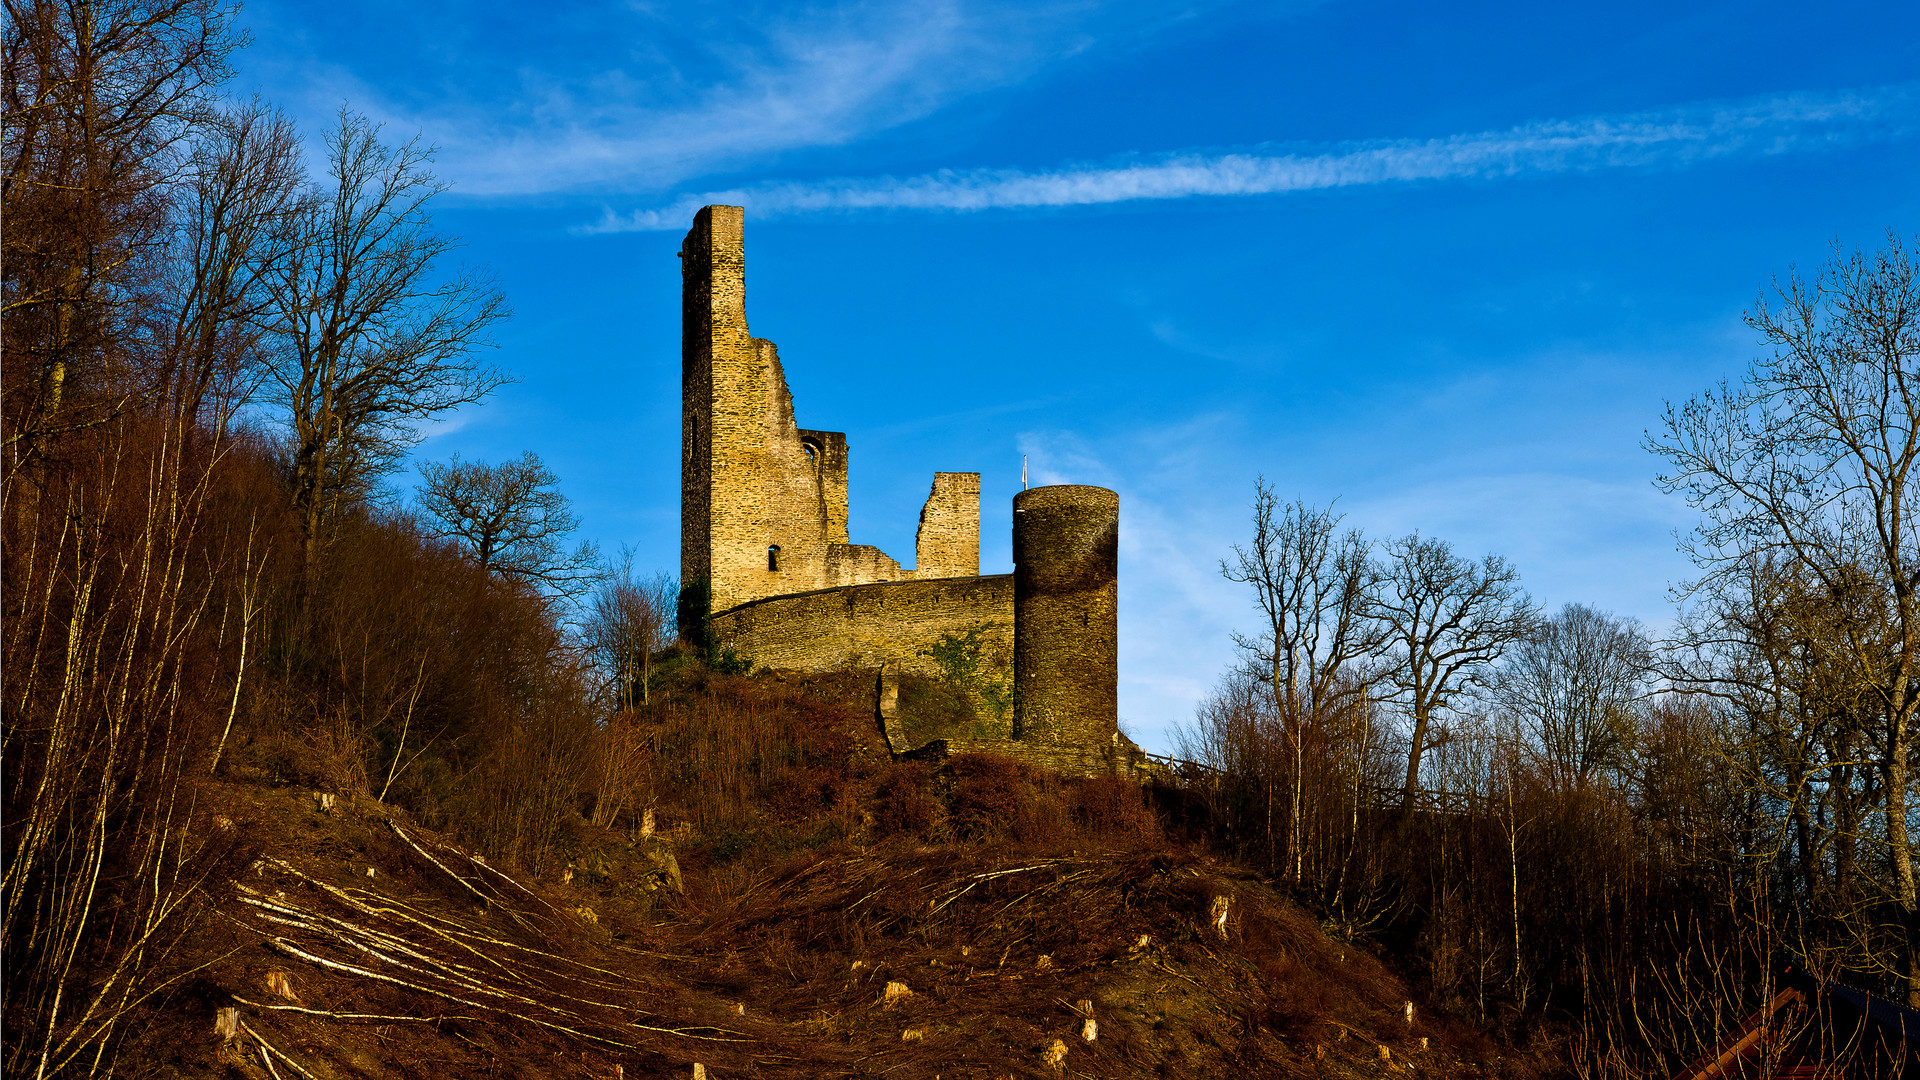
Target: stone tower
<point>760,500</point>
<point>1066,560</point>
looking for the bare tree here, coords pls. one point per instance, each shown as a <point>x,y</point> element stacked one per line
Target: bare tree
<point>510,518</point>
<point>1448,619</point>
<point>242,190</point>
<point>1572,685</point>
<point>98,97</point>
<point>1796,736</point>
<point>1805,464</point>
<point>113,548</point>
<point>629,621</point>
<point>370,340</point>
<point>1313,586</point>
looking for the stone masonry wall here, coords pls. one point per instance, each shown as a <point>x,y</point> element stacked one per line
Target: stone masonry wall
<point>750,483</point>
<point>867,626</point>
<point>859,564</point>
<point>1117,757</point>
<point>949,540</point>
<point>828,451</point>
<point>712,315</point>
<point>1066,551</point>
<point>764,544</point>
<point>763,501</point>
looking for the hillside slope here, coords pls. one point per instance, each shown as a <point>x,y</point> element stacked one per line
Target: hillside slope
<point>360,945</point>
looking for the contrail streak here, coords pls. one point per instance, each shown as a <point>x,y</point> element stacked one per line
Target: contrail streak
<point>1665,138</point>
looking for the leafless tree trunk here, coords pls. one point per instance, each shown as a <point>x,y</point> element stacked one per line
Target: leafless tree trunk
<point>106,591</point>
<point>98,95</point>
<point>1313,588</point>
<point>1805,464</point>
<point>368,338</point>
<point>1448,620</point>
<point>241,193</point>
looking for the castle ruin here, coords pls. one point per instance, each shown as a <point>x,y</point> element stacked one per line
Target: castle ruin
<point>768,571</point>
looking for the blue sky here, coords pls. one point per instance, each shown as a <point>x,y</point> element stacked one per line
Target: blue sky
<point>1445,263</point>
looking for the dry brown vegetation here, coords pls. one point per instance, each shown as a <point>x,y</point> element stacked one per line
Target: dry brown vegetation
<point>357,942</point>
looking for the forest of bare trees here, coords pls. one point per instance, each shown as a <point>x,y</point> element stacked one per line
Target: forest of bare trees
<point>1567,816</point>
<point>212,360</point>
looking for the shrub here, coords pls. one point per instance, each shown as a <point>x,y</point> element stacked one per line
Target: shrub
<point>1041,820</point>
<point>804,792</point>
<point>1114,808</point>
<point>725,748</point>
<point>900,803</point>
<point>987,793</point>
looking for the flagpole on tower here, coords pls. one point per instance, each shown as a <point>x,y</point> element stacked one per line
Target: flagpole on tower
<point>1023,472</point>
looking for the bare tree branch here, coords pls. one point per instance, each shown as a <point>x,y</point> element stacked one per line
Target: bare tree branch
<point>369,339</point>
<point>510,518</point>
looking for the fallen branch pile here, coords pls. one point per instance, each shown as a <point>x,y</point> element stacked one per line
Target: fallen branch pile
<point>487,964</point>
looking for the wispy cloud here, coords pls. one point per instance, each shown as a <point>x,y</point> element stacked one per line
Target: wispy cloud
<point>1679,136</point>
<point>647,97</point>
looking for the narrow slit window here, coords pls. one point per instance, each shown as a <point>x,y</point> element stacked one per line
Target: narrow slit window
<point>773,556</point>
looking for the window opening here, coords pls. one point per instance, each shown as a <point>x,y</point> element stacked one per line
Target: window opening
<point>773,556</point>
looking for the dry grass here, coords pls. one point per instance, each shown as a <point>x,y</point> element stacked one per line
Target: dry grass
<point>1002,898</point>
<point>901,805</point>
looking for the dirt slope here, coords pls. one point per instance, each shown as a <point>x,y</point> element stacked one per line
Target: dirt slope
<point>361,946</point>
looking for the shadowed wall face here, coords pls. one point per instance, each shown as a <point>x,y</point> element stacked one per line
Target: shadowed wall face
<point>1066,560</point>
<point>712,319</point>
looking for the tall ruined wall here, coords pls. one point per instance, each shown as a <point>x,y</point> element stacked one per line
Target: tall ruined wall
<point>763,502</point>
<point>948,544</point>
<point>822,489</point>
<point>1066,555</point>
<point>867,626</point>
<point>712,321</point>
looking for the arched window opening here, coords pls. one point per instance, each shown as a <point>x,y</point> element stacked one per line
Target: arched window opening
<point>773,556</point>
<point>813,452</point>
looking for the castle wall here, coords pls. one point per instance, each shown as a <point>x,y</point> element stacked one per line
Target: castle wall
<point>827,451</point>
<point>948,544</point>
<point>712,320</point>
<point>1117,757</point>
<point>872,625</point>
<point>765,547</point>
<point>859,564</point>
<point>1066,552</point>
<point>763,501</point>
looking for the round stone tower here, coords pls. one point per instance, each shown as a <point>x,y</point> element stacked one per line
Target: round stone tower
<point>1066,561</point>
